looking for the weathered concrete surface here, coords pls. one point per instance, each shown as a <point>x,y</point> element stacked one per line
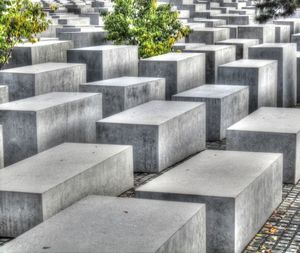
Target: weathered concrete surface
<point>3,94</point>
<point>161,132</point>
<point>34,80</point>
<point>285,54</point>
<point>264,33</point>
<point>270,130</point>
<point>298,76</point>
<point>215,56</point>
<point>182,46</point>
<point>282,33</point>
<point>242,46</point>
<point>123,93</point>
<point>182,71</point>
<point>259,75</point>
<point>234,19</point>
<point>37,188</point>
<point>40,52</point>
<point>225,105</point>
<point>38,123</point>
<point>233,30</point>
<point>294,24</point>
<point>240,190</point>
<point>296,39</point>
<point>113,225</point>
<point>208,35</point>
<point>123,60</point>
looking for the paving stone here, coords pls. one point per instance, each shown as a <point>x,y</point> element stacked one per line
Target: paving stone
<point>123,60</point>
<point>285,54</point>
<point>225,105</point>
<point>37,188</point>
<point>38,123</point>
<point>270,130</point>
<point>162,133</point>
<point>34,80</point>
<point>240,190</point>
<point>215,55</point>
<point>264,33</point>
<point>182,71</point>
<point>208,35</point>
<point>114,224</point>
<point>123,93</point>
<point>259,75</point>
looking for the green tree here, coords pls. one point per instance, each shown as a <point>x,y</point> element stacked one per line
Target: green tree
<point>19,20</point>
<point>154,28</point>
<point>272,9</point>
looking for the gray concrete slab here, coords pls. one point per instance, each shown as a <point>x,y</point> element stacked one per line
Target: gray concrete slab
<point>215,55</point>
<point>123,93</point>
<point>123,60</point>
<point>240,190</point>
<point>182,46</point>
<point>38,123</point>
<point>259,75</point>
<point>208,35</point>
<point>294,24</point>
<point>37,188</point>
<point>264,33</point>
<point>225,105</point>
<point>182,71</point>
<point>270,130</point>
<point>34,80</point>
<point>117,225</point>
<point>162,133</point>
<point>298,76</point>
<point>233,30</point>
<point>285,54</point>
<point>282,33</point>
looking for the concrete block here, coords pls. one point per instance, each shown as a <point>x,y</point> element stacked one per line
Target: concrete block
<point>234,19</point>
<point>161,132</point>
<point>240,190</point>
<point>3,94</point>
<point>294,24</point>
<point>225,105</point>
<point>182,71</point>
<point>270,130</point>
<point>113,225</point>
<point>264,33</point>
<point>242,46</point>
<point>37,188</point>
<point>38,123</point>
<point>259,75</point>
<point>34,80</point>
<point>296,39</point>
<point>233,30</point>
<point>40,52</point>
<point>208,35</point>
<point>107,61</point>
<point>298,76</point>
<point>210,22</point>
<point>282,33</point>
<point>182,46</point>
<point>216,55</point>
<point>123,93</point>
<point>285,54</point>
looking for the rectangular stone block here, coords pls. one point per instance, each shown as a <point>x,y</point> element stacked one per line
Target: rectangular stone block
<point>208,35</point>
<point>294,24</point>
<point>3,94</point>
<point>285,54</point>
<point>270,130</point>
<point>282,34</point>
<point>240,190</point>
<point>298,76</point>
<point>162,133</point>
<point>182,46</point>
<point>182,71</point>
<point>40,52</point>
<point>242,46</point>
<point>233,30</point>
<point>215,56</point>
<point>296,39</point>
<point>37,188</point>
<point>264,33</point>
<point>113,225</point>
<point>34,80</point>
<point>123,93</point>
<point>234,19</point>
<point>259,75</point>
<point>107,61</point>
<point>38,123</point>
<point>210,22</point>
<point>225,105</point>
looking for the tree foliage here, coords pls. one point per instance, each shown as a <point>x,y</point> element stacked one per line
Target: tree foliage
<point>272,9</point>
<point>154,28</point>
<point>19,20</point>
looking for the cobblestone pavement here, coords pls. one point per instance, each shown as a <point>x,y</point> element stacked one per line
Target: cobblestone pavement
<point>281,233</point>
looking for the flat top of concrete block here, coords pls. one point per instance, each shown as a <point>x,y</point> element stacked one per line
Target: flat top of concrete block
<point>171,57</point>
<point>274,45</point>
<point>248,63</point>
<point>53,41</point>
<point>124,81</point>
<point>152,113</point>
<point>213,173</point>
<point>211,91</point>
<point>40,68</point>
<point>206,48</point>
<point>108,224</point>
<point>270,119</point>
<point>228,26</point>
<point>239,41</point>
<point>209,29</point>
<point>54,166</point>
<point>102,48</point>
<point>45,101</point>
